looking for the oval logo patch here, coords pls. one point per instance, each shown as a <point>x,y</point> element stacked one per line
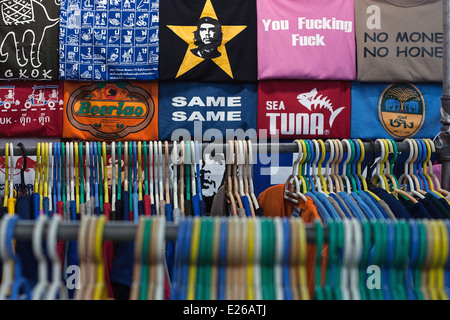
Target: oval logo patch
<point>401,110</point>
<point>110,111</point>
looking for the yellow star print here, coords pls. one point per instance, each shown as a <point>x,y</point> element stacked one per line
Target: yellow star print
<point>186,33</point>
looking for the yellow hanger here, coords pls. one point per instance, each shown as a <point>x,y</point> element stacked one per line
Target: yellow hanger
<point>92,278</point>
<point>328,167</point>
<point>100,292</point>
<point>425,281</point>
<point>319,166</point>
<point>434,260</point>
<point>300,166</point>
<point>12,193</point>
<point>442,260</point>
<point>359,171</point>
<point>250,259</point>
<point>105,174</point>
<point>36,175</point>
<point>42,177</point>
<point>82,256</point>
<point>192,272</point>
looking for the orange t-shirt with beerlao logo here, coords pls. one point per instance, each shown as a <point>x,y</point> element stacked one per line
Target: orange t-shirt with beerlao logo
<point>274,205</point>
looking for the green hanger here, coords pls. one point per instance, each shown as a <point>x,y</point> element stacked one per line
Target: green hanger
<point>384,235</point>
<point>318,290</point>
<point>208,257</point>
<point>145,167</point>
<point>349,165</point>
<point>417,273</point>
<point>398,252</point>
<point>119,170</point>
<point>271,259</point>
<point>80,153</point>
<point>100,176</point>
<point>366,230</point>
<point>63,168</point>
<point>144,259</point>
<point>332,261</point>
<point>379,253</point>
<point>307,156</point>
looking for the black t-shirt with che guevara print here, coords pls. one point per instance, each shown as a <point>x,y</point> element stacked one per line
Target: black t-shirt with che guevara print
<point>208,40</point>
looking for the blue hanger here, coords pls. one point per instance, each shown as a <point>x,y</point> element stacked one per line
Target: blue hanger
<point>55,180</point>
<point>20,282</point>
<point>186,258</point>
<point>100,176</point>
<point>416,163</point>
<point>174,294</point>
<point>286,253</point>
<point>91,169</point>
<point>421,144</point>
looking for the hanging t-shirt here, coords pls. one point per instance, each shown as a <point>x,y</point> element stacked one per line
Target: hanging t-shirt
<point>29,40</point>
<point>395,110</point>
<point>198,107</point>
<point>208,40</point>
<point>399,40</point>
<point>306,39</point>
<point>111,111</point>
<point>109,40</point>
<point>31,109</point>
<point>306,109</point>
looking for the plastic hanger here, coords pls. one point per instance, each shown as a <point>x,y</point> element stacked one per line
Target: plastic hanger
<point>250,175</point>
<point>159,258</point>
<point>245,177</point>
<point>413,257</point>
<point>150,178</point>
<point>160,179</point>
<point>332,261</point>
<point>349,186</point>
<point>145,254</point>
<point>229,181</point>
<point>59,204</point>
<point>379,174</point>
<point>318,289</point>
<point>106,204</point>
<point>45,199</point>
<point>335,169</point>
<point>364,261</point>
<point>147,198</point>
<point>20,288</point>
<point>42,190</point>
<point>433,176</point>
<point>328,179</point>
<point>413,166</point>
<point>138,259</point>
<point>57,288</point>
<point>135,200</point>
<point>95,179</point>
<point>83,262</point>
<point>113,182</point>
<point>140,170</point>
<point>434,260</point>
<point>76,177</point>
<point>37,169</point>
<point>193,256</point>
<point>257,260</point>
<point>156,176</point>
<point>240,176</point>
<point>181,183</point>
<point>294,259</point>
<point>346,259</point>
<point>73,204</point>
<point>50,179</point>
<point>194,196</point>
<point>53,187</point>
<point>425,280</point>
<point>303,280</point>
<point>278,259</point>
<point>301,175</point>
<point>310,156</point>
<point>419,164</point>
<point>317,166</point>
<point>175,161</point>
<point>101,191</point>
<point>22,190</point>
<point>88,184</point>
<point>355,163</point>
<point>356,258</point>
<point>236,193</point>
<point>290,194</point>
<point>419,290</point>
<point>390,165</point>
<point>406,175</point>
<point>64,171</point>
<point>442,260</point>
<point>100,292</point>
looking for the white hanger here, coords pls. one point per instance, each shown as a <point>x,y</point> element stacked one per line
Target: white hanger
<point>181,192</point>
<point>344,166</point>
<point>193,169</point>
<point>240,163</point>
<point>175,162</point>
<point>327,175</point>
<point>356,257</point>
<point>160,175</point>
<point>346,259</point>
<point>378,166</point>
<point>56,285</point>
<point>406,174</point>
<point>87,187</point>
<point>43,284</point>
<point>250,175</point>
<point>288,194</point>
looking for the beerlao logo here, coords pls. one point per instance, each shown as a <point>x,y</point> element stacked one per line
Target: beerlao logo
<point>401,109</point>
<point>110,111</point>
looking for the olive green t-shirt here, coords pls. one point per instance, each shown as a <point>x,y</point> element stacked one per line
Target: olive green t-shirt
<point>399,40</point>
